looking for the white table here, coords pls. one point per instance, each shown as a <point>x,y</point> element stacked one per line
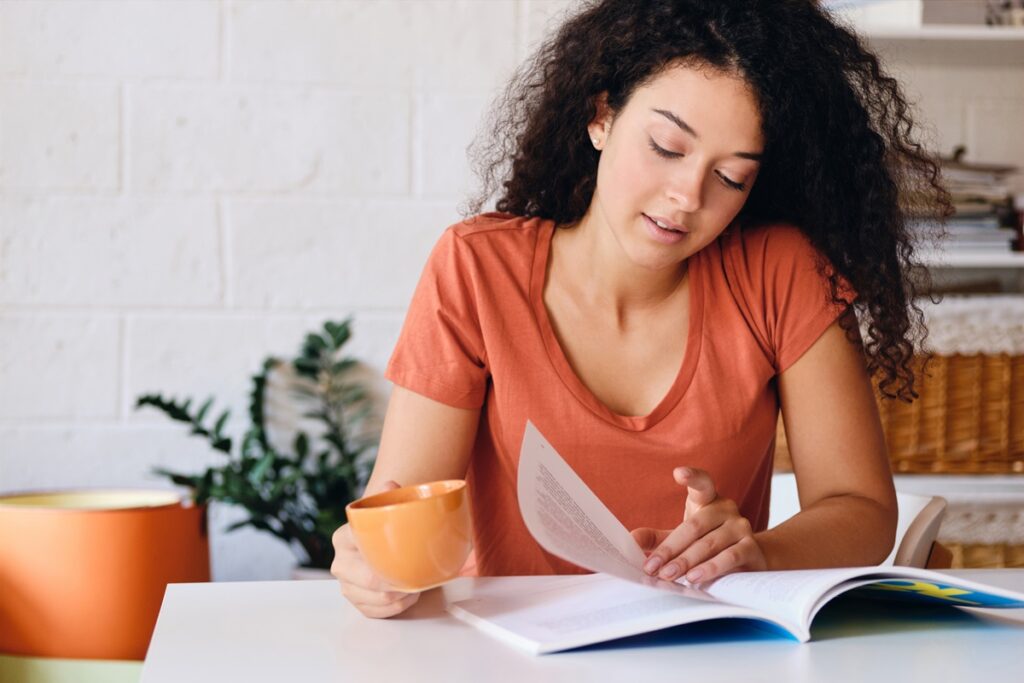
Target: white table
<point>305,630</point>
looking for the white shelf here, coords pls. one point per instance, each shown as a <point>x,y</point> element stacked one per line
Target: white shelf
<point>958,490</point>
<point>967,259</point>
<point>964,488</point>
<point>951,32</point>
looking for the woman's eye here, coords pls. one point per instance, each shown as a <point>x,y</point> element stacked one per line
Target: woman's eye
<point>739,187</point>
<point>731,184</point>
<point>662,152</point>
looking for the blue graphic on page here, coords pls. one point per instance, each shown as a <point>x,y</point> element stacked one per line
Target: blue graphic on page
<point>937,593</point>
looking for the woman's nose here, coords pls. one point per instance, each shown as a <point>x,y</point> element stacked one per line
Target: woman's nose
<point>686,188</point>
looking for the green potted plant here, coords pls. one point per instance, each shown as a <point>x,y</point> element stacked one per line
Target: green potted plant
<point>296,494</point>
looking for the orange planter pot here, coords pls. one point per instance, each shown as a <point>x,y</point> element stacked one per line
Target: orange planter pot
<point>83,573</point>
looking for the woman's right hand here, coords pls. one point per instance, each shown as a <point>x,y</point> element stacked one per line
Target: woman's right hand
<point>363,587</point>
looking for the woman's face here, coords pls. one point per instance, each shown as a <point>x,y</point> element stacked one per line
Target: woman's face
<point>709,123</point>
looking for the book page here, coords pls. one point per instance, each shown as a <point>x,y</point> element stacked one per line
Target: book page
<point>548,614</point>
<point>797,595</point>
<point>567,519</point>
<point>792,595</point>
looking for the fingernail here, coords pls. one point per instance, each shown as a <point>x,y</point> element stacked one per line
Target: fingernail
<point>694,575</point>
<point>652,564</point>
<point>670,571</point>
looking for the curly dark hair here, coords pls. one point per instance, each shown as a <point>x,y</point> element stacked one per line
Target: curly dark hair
<point>840,159</point>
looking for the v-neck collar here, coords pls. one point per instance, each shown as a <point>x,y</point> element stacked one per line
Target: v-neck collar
<point>541,256</point>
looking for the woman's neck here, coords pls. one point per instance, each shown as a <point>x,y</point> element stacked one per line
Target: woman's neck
<point>589,264</point>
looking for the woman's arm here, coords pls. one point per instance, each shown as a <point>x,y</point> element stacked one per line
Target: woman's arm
<point>847,499</point>
<point>422,440</point>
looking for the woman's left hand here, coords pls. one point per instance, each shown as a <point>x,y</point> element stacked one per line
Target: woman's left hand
<point>713,540</point>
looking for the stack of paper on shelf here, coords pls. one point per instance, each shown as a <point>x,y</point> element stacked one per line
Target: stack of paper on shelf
<point>983,218</point>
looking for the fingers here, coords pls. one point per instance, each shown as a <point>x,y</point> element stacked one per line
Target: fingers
<point>714,538</point>
<point>360,585</point>
<point>358,595</point>
<point>364,597</point>
<point>390,609</point>
<point>700,485</point>
<point>681,538</point>
<point>702,536</point>
<point>716,553</point>
<point>391,484</point>
<point>741,555</point>
<point>353,570</point>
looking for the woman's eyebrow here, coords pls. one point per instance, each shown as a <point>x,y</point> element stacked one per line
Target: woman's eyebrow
<point>685,127</point>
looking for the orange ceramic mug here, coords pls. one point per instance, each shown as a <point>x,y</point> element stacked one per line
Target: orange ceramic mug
<point>416,537</point>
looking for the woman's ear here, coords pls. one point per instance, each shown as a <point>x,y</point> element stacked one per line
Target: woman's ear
<point>599,126</point>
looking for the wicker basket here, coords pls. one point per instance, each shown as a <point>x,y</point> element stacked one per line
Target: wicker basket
<point>986,556</point>
<point>984,531</point>
<point>969,418</point>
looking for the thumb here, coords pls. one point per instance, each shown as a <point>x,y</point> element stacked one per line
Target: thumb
<point>391,485</point>
<point>700,486</point>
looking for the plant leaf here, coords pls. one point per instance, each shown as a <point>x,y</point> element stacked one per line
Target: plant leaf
<point>218,427</point>
<point>204,409</point>
<point>258,472</point>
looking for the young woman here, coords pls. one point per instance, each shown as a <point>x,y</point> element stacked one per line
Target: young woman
<point>702,199</point>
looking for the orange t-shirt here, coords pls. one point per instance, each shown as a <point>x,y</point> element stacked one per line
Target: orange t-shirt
<point>477,334</point>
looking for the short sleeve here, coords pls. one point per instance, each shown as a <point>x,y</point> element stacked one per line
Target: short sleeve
<point>798,303</point>
<point>440,352</point>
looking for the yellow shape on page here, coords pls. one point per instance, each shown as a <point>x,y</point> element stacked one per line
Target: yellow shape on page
<point>926,589</point>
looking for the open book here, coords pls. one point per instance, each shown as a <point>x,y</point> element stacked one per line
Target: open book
<point>552,613</point>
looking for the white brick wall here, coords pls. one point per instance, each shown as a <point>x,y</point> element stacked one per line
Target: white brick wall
<point>280,139</point>
<point>189,186</point>
<point>111,40</point>
<point>117,251</point>
<point>58,366</point>
<point>59,136</point>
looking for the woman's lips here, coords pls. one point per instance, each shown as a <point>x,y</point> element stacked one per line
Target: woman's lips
<point>666,222</point>
<point>661,234</point>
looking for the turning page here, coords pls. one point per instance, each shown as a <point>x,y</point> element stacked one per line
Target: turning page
<point>567,519</point>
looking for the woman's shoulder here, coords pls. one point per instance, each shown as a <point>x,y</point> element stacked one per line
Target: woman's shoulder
<point>769,259</point>
<point>495,226</point>
<point>767,239</point>
<point>752,253</point>
<point>488,248</point>
<point>493,237</point>
<point>775,259</point>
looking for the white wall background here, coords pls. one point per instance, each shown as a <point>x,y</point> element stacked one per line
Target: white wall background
<point>189,186</point>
